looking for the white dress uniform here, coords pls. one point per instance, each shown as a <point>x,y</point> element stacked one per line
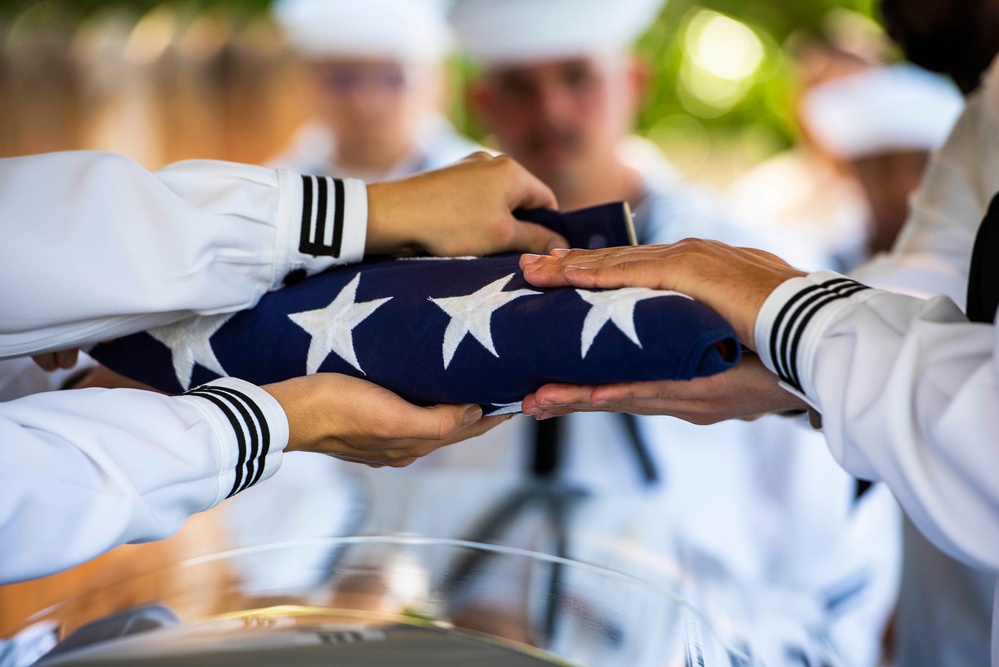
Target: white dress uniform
<point>84,471</point>
<point>907,389</point>
<point>945,618</point>
<point>764,500</point>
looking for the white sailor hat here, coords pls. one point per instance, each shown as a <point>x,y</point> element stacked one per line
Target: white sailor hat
<point>880,110</point>
<point>400,29</point>
<point>495,32</point>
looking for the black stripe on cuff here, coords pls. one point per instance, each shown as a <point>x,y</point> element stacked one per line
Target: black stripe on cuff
<point>322,210</point>
<point>236,426</point>
<point>265,432</point>
<point>778,361</point>
<point>789,327</point>
<point>304,238</point>
<point>252,427</point>
<point>815,300</point>
<point>781,365</point>
<point>338,197</point>
<point>786,322</point>
<point>312,239</point>
<point>791,351</point>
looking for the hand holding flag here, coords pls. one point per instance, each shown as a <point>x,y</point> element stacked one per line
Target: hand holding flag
<point>442,331</point>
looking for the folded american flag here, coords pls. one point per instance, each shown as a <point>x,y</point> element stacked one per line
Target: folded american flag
<point>465,330</point>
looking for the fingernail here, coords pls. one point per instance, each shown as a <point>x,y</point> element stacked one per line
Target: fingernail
<point>543,416</point>
<point>472,415</point>
<point>572,268</point>
<point>546,405</point>
<point>559,252</point>
<point>532,411</point>
<point>600,404</point>
<point>529,258</point>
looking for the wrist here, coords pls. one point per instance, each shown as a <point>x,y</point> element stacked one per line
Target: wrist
<point>290,398</point>
<point>388,229</point>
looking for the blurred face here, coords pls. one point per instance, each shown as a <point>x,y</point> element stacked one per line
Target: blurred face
<point>373,105</point>
<point>560,118</point>
<point>888,179</point>
<point>817,65</point>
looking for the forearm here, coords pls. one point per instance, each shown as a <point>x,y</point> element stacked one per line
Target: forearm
<point>908,393</point>
<point>84,471</point>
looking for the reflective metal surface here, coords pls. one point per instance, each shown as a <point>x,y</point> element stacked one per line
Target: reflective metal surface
<point>384,601</point>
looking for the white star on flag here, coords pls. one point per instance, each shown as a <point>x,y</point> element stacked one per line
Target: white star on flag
<point>472,314</point>
<point>617,306</point>
<point>189,344</point>
<point>332,327</point>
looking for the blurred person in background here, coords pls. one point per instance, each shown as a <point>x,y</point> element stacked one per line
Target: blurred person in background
<point>883,124</point>
<point>946,247</point>
<point>377,73</point>
<point>378,84</point>
<point>558,88</point>
<point>866,134</point>
<point>806,192</point>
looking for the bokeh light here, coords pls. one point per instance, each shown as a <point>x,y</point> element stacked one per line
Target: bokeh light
<point>722,46</point>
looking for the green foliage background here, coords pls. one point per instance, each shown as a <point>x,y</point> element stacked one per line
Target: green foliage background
<point>765,107</point>
<point>761,118</point>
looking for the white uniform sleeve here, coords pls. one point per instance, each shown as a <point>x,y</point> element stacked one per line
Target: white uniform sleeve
<point>908,394</point>
<point>84,471</point>
<point>96,247</point>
